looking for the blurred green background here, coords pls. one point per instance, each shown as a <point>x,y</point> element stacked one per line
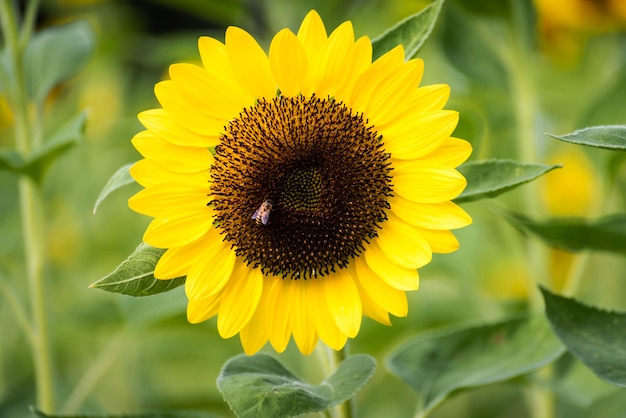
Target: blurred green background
<point>562,59</point>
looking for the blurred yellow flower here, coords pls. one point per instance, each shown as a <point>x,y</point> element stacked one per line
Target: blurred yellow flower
<point>573,190</point>
<point>330,184</point>
<point>564,24</point>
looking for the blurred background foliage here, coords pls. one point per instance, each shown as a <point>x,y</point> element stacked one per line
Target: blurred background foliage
<point>517,70</point>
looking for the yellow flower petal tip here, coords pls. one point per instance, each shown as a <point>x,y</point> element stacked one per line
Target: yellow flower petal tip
<point>330,185</point>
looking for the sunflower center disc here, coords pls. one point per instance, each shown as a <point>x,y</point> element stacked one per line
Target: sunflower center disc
<point>302,189</point>
<point>299,185</point>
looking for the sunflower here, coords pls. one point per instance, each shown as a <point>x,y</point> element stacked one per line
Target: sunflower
<point>298,190</point>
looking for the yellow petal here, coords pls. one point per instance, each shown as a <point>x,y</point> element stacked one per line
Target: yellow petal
<point>426,184</point>
<point>423,100</point>
<point>217,98</point>
<point>343,301</point>
<point>420,136</point>
<point>161,124</point>
<point>444,215</point>
<point>278,308</point>
<point>371,309</point>
<point>240,298</point>
<point>288,62</point>
<point>177,261</point>
<point>202,309</point>
<point>370,79</point>
<point>250,64</point>
<point>394,275</point>
<point>175,229</point>
<point>212,270</point>
<point>360,59</point>
<point>164,198</point>
<point>442,242</point>
<point>451,153</point>
<point>312,36</point>
<point>187,110</point>
<point>303,328</point>
<point>254,335</point>
<point>392,300</point>
<point>336,60</point>
<point>320,314</point>
<point>148,174</point>
<point>172,157</point>
<point>390,92</point>
<point>216,62</point>
<point>402,244</point>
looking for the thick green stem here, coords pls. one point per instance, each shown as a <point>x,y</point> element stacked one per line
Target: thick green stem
<point>30,201</point>
<point>329,361</point>
<point>519,62</point>
<point>32,221</point>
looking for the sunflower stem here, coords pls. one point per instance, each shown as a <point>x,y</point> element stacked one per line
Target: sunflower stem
<point>525,104</point>
<point>329,361</point>
<point>30,198</point>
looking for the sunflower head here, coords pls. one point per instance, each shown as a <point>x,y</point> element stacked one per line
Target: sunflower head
<point>301,189</point>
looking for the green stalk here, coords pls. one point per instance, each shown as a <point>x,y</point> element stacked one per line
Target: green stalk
<point>30,205</point>
<point>329,361</point>
<point>519,63</point>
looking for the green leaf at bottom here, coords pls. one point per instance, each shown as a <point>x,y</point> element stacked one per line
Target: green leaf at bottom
<point>437,363</point>
<point>260,386</point>
<point>596,337</point>
<point>160,414</point>
<point>135,276</point>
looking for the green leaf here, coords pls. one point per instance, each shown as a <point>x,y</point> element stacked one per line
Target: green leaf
<point>435,364</point>
<point>36,164</point>
<point>10,160</point>
<point>56,54</point>
<point>490,178</point>
<point>411,32</point>
<point>121,178</point>
<point>159,414</point>
<point>471,47</point>
<point>135,276</point>
<point>596,337</point>
<point>611,137</point>
<point>69,135</point>
<point>260,386</point>
<point>576,234</point>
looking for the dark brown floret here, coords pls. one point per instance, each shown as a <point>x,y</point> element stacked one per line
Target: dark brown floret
<point>323,169</point>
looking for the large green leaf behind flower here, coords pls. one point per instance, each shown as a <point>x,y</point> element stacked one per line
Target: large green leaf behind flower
<point>437,363</point>
<point>597,337</point>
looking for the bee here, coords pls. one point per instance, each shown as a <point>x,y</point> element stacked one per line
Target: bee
<point>262,214</point>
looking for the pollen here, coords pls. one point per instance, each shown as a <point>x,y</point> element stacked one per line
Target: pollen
<point>326,173</point>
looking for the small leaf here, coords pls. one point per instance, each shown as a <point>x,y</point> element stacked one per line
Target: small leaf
<point>411,32</point>
<point>121,178</point>
<point>260,386</point>
<point>576,234</point>
<point>596,337</point>
<point>54,55</point>
<point>159,414</point>
<point>437,363</point>
<point>135,276</point>
<point>611,137</point>
<point>69,135</point>
<point>490,178</point>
